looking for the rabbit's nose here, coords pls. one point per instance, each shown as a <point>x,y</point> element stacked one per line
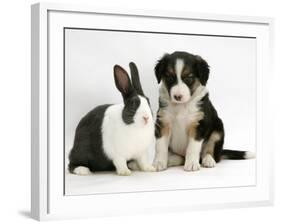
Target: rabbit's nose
<point>145,118</point>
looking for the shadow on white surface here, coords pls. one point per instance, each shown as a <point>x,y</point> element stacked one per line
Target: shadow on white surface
<point>25,214</point>
<point>227,173</point>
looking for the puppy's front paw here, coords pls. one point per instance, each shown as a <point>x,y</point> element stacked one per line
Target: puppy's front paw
<point>208,161</point>
<point>124,172</point>
<point>160,165</point>
<point>149,168</point>
<point>191,165</point>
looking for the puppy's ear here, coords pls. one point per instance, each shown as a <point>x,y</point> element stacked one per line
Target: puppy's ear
<point>203,70</point>
<point>160,67</point>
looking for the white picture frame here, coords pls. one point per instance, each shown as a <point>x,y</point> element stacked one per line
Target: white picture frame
<point>47,187</point>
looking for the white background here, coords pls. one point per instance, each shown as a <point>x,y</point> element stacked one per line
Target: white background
<point>90,56</point>
<point>15,110</point>
<point>89,59</point>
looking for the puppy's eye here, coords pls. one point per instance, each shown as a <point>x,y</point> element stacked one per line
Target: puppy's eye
<point>188,78</point>
<point>170,77</point>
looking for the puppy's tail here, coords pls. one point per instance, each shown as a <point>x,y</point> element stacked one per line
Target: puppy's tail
<point>235,154</point>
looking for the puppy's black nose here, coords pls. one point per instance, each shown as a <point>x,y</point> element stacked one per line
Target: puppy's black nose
<point>178,97</point>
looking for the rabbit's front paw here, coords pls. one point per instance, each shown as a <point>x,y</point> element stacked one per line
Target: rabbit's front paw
<point>124,172</point>
<point>133,165</point>
<point>82,170</point>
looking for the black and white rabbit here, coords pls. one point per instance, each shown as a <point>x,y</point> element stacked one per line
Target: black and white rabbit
<point>109,136</point>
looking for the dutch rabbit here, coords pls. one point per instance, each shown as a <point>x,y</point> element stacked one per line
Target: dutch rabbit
<point>110,136</point>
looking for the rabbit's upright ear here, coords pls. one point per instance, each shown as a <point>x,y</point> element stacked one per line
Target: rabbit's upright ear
<point>122,81</point>
<point>135,78</point>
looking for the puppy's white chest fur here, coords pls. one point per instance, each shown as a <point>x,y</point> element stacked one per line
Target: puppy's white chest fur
<point>181,119</point>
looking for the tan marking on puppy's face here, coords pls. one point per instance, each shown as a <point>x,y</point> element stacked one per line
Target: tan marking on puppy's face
<point>195,85</point>
<point>170,71</point>
<point>186,70</point>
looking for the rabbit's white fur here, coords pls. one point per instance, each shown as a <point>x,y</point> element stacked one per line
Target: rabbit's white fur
<point>123,142</point>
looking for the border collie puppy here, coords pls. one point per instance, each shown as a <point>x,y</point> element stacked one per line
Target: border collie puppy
<point>188,130</point>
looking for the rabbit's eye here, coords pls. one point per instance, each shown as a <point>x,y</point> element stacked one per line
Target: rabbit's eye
<point>134,103</point>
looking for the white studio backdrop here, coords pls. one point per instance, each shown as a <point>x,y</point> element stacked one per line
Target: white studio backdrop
<point>89,59</point>
<point>91,54</point>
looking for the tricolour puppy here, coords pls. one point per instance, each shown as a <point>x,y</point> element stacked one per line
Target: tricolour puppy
<point>188,130</point>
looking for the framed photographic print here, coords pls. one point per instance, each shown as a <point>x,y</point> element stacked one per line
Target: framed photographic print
<point>138,111</point>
